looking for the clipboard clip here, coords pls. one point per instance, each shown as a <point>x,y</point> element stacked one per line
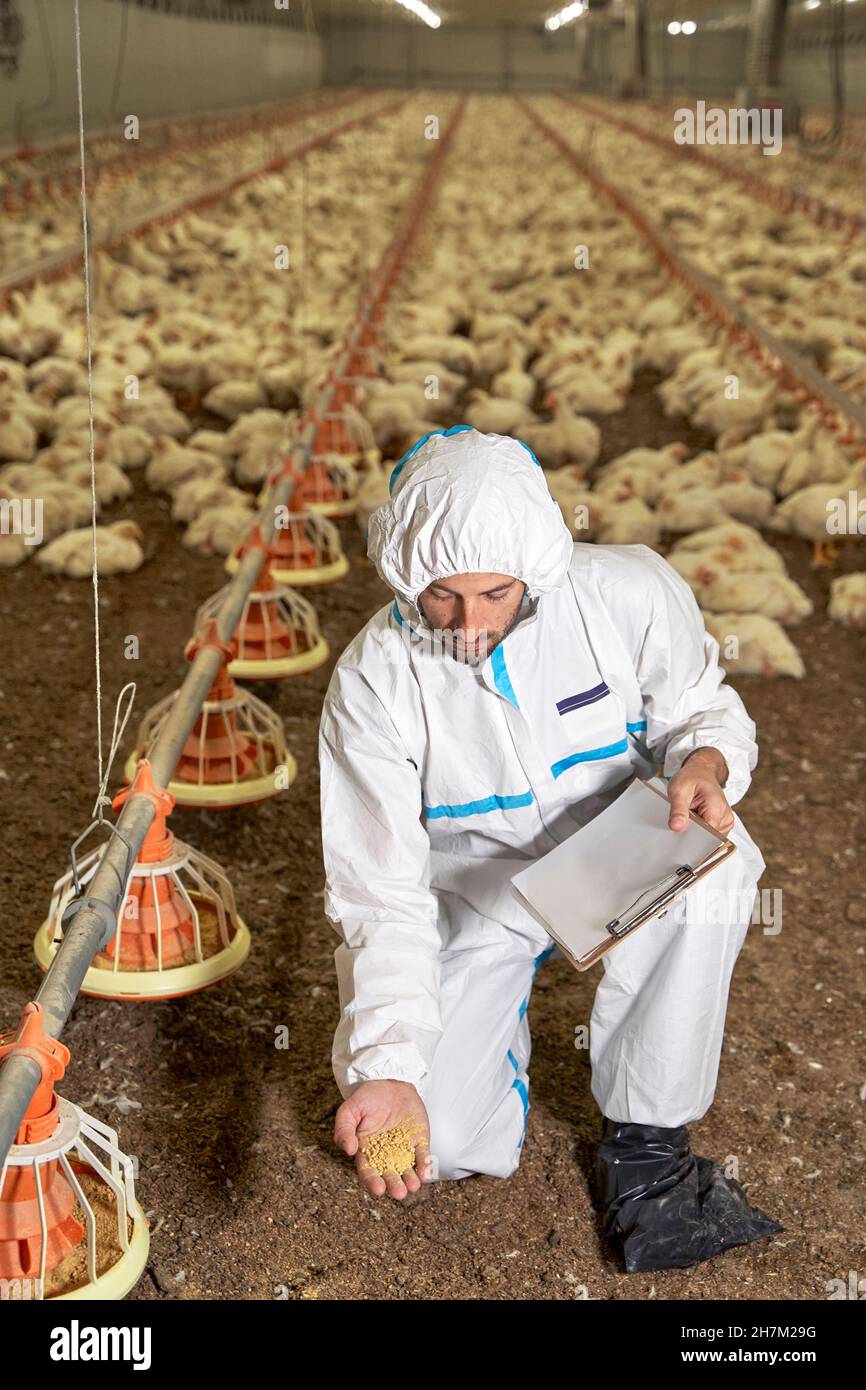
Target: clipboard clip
<point>682,876</point>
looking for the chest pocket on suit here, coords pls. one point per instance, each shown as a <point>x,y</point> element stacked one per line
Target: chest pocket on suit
<point>592,720</point>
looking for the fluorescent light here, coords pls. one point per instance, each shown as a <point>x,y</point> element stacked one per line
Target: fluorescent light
<point>422,11</point>
<point>674,27</point>
<point>812,5</point>
<point>566,15</point>
<point>689,26</point>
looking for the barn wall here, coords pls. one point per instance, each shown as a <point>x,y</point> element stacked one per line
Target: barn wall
<point>171,66</point>
<point>807,66</point>
<point>399,53</point>
<point>709,64</point>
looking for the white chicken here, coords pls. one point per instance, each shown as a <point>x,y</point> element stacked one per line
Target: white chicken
<point>765,454</point>
<point>586,390</point>
<point>622,482</point>
<point>732,535</point>
<point>157,416</point>
<point>703,471</point>
<point>746,501</point>
<point>848,600</point>
<point>690,510</point>
<point>629,523</point>
<point>230,399</point>
<point>496,415</point>
<point>747,410</point>
<point>659,460</point>
<point>118,551</point>
<point>458,354</point>
<point>198,495</point>
<point>129,446</point>
<point>820,461</point>
<point>515,383</point>
<point>172,464</point>
<point>217,530</point>
<point>807,514</point>
<point>752,645</point>
<point>109,482</point>
<point>18,438</point>
<point>568,438</point>
<point>773,595</point>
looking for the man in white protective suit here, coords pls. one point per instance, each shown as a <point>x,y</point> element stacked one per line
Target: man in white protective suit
<point>515,686</point>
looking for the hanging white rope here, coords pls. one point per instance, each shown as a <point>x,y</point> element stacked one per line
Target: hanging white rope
<point>89,343</point>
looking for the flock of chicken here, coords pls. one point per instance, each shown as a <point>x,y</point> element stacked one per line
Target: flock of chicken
<point>233,316</point>
<point>807,286</point>
<point>152,170</point>
<point>529,307</point>
<point>519,305</point>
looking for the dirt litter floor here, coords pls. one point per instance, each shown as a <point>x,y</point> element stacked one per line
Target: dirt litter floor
<point>246,1195</point>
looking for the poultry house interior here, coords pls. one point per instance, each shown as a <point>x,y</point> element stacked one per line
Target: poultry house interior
<point>630,234</point>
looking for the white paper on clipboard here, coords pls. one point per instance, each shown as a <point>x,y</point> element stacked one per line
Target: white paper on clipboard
<point>612,867</point>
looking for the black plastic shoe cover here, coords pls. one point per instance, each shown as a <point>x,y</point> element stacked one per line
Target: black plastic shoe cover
<point>664,1206</point>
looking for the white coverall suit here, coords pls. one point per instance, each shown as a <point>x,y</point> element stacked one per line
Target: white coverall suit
<point>441,780</point>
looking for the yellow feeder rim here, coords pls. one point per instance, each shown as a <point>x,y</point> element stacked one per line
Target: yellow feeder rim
<point>142,985</point>
<point>279,667</point>
<point>361,457</point>
<point>347,507</point>
<point>317,574</point>
<point>217,796</point>
<point>116,1282</point>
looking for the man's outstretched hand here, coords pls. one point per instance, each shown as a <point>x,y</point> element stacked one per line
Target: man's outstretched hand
<point>698,787</point>
<point>376,1106</point>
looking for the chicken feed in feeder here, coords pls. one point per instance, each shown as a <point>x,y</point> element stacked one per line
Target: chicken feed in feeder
<point>236,753</point>
<point>178,928</point>
<point>70,1225</point>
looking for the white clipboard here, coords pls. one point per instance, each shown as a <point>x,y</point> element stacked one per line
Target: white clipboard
<point>617,873</point>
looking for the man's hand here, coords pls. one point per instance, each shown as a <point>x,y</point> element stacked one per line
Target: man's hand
<point>698,787</point>
<point>377,1106</point>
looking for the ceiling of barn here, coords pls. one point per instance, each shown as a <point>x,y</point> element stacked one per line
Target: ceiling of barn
<point>487,12</point>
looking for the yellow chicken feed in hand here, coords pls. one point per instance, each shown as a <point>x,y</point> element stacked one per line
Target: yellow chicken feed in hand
<point>393,1150</point>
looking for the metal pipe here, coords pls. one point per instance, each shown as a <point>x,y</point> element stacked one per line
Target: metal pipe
<point>20,1075</point>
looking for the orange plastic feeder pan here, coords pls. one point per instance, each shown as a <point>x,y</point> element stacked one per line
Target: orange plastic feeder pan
<point>236,754</point>
<point>178,930</point>
<point>305,551</point>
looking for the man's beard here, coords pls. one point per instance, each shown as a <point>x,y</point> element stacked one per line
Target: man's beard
<point>480,646</point>
<point>474,652</point>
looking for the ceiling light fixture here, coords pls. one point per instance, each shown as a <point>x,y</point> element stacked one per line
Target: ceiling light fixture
<point>674,27</point>
<point>566,15</point>
<point>422,11</point>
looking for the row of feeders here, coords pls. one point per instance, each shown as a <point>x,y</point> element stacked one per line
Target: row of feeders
<point>178,929</point>
<point>70,1226</point>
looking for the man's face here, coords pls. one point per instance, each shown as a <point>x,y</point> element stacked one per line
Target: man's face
<point>472,612</point>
